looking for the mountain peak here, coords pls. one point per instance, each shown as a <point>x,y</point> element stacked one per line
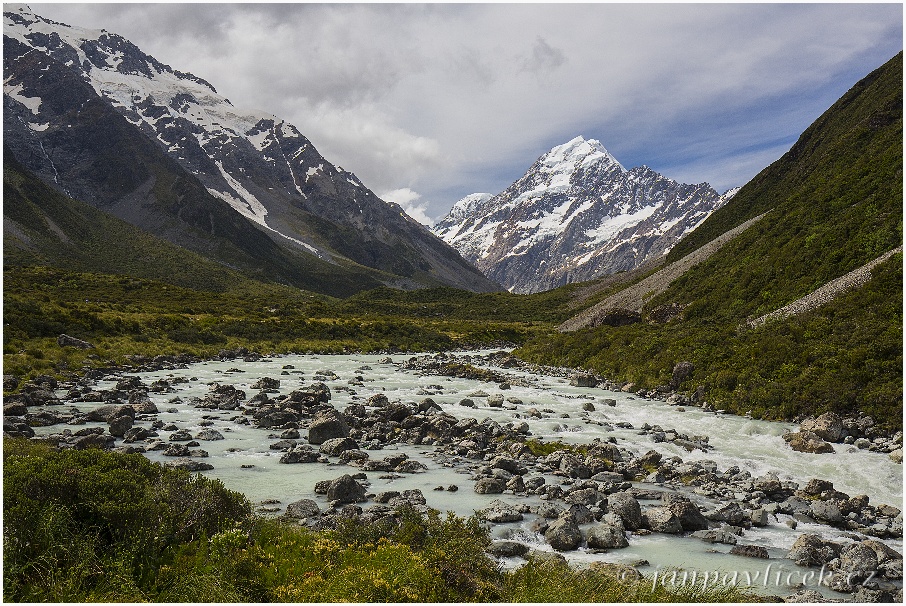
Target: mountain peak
<point>576,153</point>
<point>577,213</point>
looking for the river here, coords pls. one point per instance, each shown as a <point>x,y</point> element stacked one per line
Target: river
<point>244,461</point>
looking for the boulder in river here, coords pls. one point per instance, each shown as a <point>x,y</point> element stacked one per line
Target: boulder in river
<point>301,453</point>
<point>345,490</point>
<point>120,425</point>
<point>661,519</point>
<point>606,535</point>
<point>687,512</point>
<point>337,446</point>
<point>507,549</point>
<point>267,384</point>
<point>807,441</point>
<point>563,534</point>
<point>326,425</point>
<point>190,465</point>
<point>812,550</point>
<point>499,512</point>
<point>731,513</point>
<point>750,551</point>
<point>583,379</point>
<point>303,508</point>
<point>718,535</point>
<point>627,507</point>
<point>858,561</point>
<point>209,434</point>
<point>110,411</point>
<point>826,511</point>
<point>828,426</point>
<point>490,486</point>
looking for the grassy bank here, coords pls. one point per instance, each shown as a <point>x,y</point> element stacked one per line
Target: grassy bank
<point>95,526</point>
<point>124,316</point>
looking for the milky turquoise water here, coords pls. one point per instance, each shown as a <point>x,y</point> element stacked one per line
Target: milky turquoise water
<point>244,462</point>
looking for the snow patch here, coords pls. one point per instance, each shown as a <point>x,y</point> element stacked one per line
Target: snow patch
<point>243,208</point>
<point>15,91</point>
<point>313,171</point>
<point>261,141</point>
<point>247,204</point>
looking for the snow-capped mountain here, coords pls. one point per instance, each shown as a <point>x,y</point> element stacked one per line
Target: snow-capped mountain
<point>94,116</point>
<point>575,215</point>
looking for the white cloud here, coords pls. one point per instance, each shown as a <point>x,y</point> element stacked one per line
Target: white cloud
<point>407,199</point>
<point>451,99</point>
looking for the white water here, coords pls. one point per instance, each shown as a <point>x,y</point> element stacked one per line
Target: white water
<point>751,445</point>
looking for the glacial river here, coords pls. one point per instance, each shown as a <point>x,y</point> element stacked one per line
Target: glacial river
<point>244,461</point>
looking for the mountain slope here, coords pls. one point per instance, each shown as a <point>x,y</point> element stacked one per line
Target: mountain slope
<point>41,226</point>
<point>835,203</point>
<point>574,215</point>
<point>103,122</point>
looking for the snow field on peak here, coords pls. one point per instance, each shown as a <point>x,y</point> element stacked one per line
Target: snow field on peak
<point>577,153</point>
<point>612,226</point>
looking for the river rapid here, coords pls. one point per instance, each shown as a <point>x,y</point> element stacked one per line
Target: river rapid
<point>245,462</point>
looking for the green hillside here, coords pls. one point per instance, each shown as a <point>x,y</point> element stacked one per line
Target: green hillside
<point>835,202</point>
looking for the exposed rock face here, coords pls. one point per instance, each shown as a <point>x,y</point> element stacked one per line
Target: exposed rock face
<point>681,372</point>
<point>67,341</point>
<point>576,214</point>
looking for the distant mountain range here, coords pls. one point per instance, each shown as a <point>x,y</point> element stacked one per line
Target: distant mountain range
<point>106,124</point>
<point>575,215</point>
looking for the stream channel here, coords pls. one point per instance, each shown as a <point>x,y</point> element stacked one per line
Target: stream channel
<point>245,463</point>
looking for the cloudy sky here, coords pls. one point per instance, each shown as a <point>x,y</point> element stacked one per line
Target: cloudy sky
<point>427,103</point>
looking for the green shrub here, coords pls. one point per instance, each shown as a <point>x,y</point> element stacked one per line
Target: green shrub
<point>69,510</point>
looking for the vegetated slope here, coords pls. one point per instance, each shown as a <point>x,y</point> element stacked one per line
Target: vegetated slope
<point>836,203</point>
<point>828,292</point>
<point>41,226</point>
<point>633,297</point>
<point>98,119</point>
